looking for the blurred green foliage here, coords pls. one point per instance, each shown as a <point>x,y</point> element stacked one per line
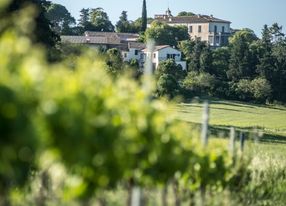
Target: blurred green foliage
<point>103,130</point>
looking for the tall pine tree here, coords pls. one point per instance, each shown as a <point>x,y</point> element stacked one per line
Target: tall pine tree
<point>144,17</point>
<point>84,18</point>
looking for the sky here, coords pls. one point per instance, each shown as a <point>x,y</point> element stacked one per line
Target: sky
<point>251,14</point>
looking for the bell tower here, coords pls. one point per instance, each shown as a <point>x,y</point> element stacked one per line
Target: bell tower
<point>168,12</point>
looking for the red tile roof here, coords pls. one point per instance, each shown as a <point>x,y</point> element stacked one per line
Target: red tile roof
<point>189,19</point>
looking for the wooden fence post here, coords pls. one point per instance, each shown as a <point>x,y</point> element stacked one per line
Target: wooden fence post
<point>204,140</point>
<point>232,141</point>
<point>242,141</point>
<point>136,196</point>
<point>164,195</point>
<point>205,124</point>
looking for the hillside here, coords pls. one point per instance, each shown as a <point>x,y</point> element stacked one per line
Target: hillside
<point>271,119</point>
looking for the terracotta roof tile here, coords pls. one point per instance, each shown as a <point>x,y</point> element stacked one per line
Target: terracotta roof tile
<point>157,48</point>
<point>189,19</point>
<point>89,40</point>
<point>136,45</point>
<point>115,35</point>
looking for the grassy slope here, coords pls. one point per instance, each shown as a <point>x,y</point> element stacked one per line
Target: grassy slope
<point>268,165</point>
<point>245,116</point>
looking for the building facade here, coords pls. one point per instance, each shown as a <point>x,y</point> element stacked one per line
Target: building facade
<point>129,46</point>
<point>206,28</point>
<point>163,53</point>
<point>134,51</point>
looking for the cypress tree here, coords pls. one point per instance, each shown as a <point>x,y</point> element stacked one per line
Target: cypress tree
<point>144,17</point>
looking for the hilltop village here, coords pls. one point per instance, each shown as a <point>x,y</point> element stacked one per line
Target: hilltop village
<point>214,31</point>
<point>190,54</point>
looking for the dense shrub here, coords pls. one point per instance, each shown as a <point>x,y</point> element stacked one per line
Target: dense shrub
<point>199,83</point>
<point>169,77</point>
<point>258,89</point>
<point>167,86</point>
<point>261,89</point>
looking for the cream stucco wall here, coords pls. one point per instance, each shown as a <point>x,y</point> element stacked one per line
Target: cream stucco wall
<point>203,34</point>
<point>207,30</point>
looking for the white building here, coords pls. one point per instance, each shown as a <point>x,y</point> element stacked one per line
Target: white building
<point>128,45</point>
<point>134,51</point>
<point>213,30</point>
<point>162,53</point>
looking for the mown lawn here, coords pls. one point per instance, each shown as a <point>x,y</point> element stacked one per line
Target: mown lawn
<point>271,119</point>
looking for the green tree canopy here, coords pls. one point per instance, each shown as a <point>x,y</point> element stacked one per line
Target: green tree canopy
<point>198,55</point>
<point>84,17</point>
<point>163,34</point>
<point>169,76</point>
<point>220,62</point>
<point>199,83</point>
<point>100,20</point>
<point>42,32</point>
<point>124,25</point>
<point>60,17</point>
<point>170,67</point>
<point>114,61</point>
<point>242,59</point>
<point>185,13</point>
<point>167,86</point>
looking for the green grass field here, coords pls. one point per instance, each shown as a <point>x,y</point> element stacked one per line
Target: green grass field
<point>270,119</point>
<point>268,156</point>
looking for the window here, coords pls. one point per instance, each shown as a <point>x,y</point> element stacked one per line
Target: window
<point>191,29</point>
<point>215,29</point>
<point>223,29</point>
<point>136,52</point>
<point>217,40</point>
<point>200,29</point>
<point>222,40</point>
<point>171,56</point>
<point>154,55</point>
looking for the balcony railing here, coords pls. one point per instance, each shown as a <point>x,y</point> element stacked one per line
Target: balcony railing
<point>219,33</point>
